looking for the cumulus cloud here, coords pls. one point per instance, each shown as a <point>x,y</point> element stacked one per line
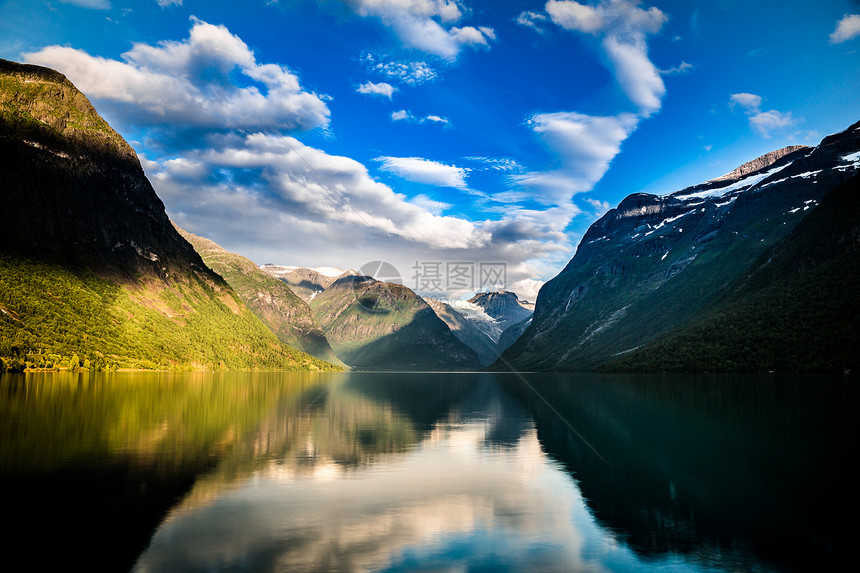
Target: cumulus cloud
<point>762,122</point>
<point>288,176</point>
<point>166,3</point>
<point>275,199</point>
<point>381,89</point>
<point>401,115</point>
<point>526,289</point>
<point>426,171</point>
<point>425,25</point>
<point>847,29</point>
<point>188,83</point>
<point>623,28</point>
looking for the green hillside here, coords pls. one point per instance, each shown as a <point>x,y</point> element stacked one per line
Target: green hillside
<point>270,299</point>
<point>92,273</point>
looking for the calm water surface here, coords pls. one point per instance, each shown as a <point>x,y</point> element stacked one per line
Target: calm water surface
<point>428,472</point>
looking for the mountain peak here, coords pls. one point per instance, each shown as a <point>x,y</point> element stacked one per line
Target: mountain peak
<point>48,112</point>
<point>758,163</point>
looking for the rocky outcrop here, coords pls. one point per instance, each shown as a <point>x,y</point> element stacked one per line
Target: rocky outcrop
<point>758,163</point>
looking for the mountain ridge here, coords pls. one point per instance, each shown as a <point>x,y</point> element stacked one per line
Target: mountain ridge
<point>656,262</point>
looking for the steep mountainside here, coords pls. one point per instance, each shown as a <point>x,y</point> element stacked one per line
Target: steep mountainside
<point>512,334</point>
<point>272,301</point>
<point>657,263</point>
<point>385,326</point>
<point>798,308</point>
<point>91,270</point>
<point>465,331</point>
<point>306,283</point>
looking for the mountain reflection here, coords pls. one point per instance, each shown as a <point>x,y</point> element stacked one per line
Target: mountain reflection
<point>404,472</point>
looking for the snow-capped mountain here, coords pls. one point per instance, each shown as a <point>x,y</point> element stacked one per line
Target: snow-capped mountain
<point>656,263</point>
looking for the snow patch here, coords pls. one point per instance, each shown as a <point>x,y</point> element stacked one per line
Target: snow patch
<point>744,184</point>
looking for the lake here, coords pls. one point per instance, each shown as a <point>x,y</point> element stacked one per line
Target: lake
<point>152,472</point>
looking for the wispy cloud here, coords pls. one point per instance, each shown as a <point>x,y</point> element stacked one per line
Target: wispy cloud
<point>426,171</point>
<point>405,115</point>
<point>94,4</point>
<point>847,29</point>
<point>623,28</point>
<point>532,20</point>
<point>585,145</point>
<point>681,68</point>
<point>762,122</point>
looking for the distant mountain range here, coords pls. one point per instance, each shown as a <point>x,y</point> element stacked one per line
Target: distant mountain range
<point>755,270</point>
<point>92,273</point>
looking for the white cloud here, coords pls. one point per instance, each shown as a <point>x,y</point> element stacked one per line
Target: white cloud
<point>382,89</point>
<point>762,122</point>
<point>526,289</point>
<point>166,3</point>
<point>426,171</point>
<point>575,16</point>
<point>189,83</point>
<point>316,186</point>
<point>274,199</point>
<point>750,102</point>
<point>681,68</point>
<point>847,28</point>
<point>436,119</point>
<point>411,73</point>
<point>532,20</point>
<point>421,24</point>
<point>401,115</point>
<point>767,121</point>
<point>585,145</point>
<point>94,4</point>
<point>623,27</point>
<point>600,207</point>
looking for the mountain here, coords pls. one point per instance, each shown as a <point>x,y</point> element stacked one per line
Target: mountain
<point>798,308</point>
<point>511,334</point>
<point>386,326</point>
<point>91,270</point>
<point>306,283</point>
<point>504,307</point>
<point>466,331</point>
<point>272,301</point>
<point>655,265</point>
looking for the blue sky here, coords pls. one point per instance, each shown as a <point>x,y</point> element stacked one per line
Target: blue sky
<point>337,132</point>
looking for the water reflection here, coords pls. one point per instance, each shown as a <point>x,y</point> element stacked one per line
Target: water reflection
<point>394,472</point>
